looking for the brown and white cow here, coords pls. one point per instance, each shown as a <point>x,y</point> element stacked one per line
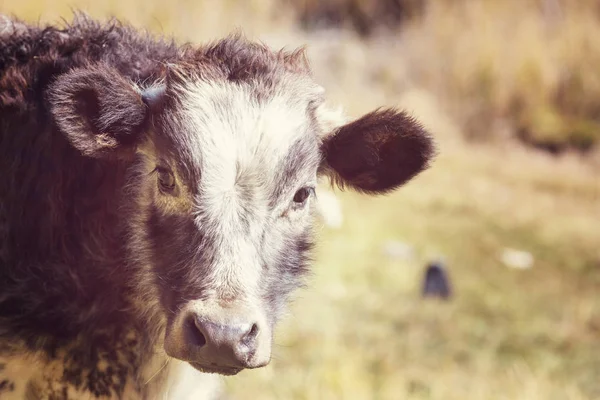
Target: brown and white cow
<point>156,203</point>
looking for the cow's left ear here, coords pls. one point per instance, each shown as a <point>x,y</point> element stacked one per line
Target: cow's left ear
<point>378,152</point>
<point>100,111</point>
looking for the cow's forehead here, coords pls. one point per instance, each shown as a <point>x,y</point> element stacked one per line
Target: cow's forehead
<point>251,154</point>
<point>235,133</point>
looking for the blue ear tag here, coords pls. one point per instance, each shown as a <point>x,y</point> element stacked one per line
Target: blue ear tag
<point>154,96</point>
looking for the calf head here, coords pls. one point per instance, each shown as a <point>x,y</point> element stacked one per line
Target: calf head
<point>224,156</point>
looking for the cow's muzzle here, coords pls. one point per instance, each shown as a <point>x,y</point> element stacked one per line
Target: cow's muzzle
<point>218,339</point>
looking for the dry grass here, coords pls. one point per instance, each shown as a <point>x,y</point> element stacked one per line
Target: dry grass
<point>195,20</point>
<point>522,68</point>
<point>361,331</point>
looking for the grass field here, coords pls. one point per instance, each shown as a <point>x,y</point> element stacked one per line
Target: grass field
<point>360,330</point>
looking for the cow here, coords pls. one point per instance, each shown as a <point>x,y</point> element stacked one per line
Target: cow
<point>157,202</point>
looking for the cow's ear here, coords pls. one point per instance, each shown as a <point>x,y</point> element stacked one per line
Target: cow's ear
<point>377,152</point>
<point>101,112</point>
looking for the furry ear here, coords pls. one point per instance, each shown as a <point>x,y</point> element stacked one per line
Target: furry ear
<point>101,112</point>
<point>378,152</point>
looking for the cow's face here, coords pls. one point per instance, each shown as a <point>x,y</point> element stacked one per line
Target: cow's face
<point>225,155</point>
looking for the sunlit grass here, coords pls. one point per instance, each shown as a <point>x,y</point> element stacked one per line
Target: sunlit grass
<point>512,67</point>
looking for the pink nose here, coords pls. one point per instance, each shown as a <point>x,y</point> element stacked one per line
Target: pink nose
<point>226,345</point>
<point>219,339</point>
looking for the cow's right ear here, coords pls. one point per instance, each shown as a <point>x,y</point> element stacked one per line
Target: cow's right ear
<point>378,152</point>
<point>101,112</point>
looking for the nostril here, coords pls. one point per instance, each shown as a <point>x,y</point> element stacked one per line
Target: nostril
<point>253,331</point>
<point>251,335</point>
<point>194,335</point>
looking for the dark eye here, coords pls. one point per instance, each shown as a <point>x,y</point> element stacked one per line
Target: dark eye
<point>302,195</point>
<point>166,180</point>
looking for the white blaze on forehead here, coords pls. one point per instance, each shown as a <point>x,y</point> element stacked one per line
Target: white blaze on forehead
<point>237,141</point>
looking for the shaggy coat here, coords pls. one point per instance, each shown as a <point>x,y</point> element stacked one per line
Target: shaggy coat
<point>146,183</point>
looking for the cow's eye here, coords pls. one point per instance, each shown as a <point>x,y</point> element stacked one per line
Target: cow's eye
<point>166,180</point>
<point>302,195</point>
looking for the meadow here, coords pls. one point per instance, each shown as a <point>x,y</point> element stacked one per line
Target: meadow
<point>511,91</point>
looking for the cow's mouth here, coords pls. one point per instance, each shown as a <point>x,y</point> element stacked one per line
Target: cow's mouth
<point>213,369</point>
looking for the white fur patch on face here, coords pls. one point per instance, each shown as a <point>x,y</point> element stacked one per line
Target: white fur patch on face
<point>330,118</point>
<point>238,142</point>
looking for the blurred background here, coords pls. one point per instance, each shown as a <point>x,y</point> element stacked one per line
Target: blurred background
<point>511,207</point>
